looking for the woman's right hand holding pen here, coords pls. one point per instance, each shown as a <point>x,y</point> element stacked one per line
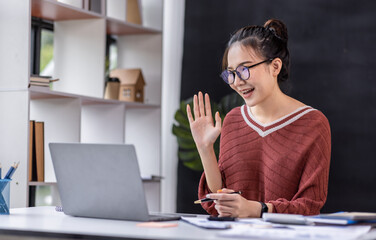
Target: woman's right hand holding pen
<point>204,132</point>
<point>234,205</point>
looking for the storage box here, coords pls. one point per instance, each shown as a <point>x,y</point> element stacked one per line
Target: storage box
<point>131,84</point>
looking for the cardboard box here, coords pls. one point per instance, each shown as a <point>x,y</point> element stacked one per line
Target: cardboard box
<point>131,84</point>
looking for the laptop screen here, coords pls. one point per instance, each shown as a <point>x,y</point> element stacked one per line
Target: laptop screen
<point>99,180</point>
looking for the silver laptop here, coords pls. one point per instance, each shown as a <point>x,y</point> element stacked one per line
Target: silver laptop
<point>101,181</point>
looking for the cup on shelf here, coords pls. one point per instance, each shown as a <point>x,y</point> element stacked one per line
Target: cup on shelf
<point>4,196</point>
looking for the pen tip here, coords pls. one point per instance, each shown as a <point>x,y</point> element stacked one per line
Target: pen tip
<point>197,201</point>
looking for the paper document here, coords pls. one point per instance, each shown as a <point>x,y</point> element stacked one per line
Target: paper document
<point>296,232</point>
<point>203,222</point>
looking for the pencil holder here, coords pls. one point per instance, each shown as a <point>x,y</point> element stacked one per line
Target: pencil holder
<point>4,196</point>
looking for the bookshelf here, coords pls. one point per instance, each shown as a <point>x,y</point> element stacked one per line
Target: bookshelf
<point>75,111</point>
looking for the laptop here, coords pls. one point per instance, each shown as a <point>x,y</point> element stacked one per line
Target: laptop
<point>101,181</point>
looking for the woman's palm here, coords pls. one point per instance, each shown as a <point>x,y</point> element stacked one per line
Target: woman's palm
<point>203,130</point>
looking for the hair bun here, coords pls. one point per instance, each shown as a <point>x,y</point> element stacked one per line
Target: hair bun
<point>278,27</point>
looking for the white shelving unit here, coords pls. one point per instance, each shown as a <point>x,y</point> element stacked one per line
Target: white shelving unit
<point>75,110</point>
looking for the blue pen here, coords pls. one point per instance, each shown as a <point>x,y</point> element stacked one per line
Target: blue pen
<point>11,171</point>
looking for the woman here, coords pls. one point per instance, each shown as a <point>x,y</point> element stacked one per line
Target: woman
<point>274,149</point>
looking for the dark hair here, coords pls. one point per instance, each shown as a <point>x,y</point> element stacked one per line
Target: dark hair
<point>270,41</point>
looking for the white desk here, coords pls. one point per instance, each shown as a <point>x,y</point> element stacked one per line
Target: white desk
<point>46,222</point>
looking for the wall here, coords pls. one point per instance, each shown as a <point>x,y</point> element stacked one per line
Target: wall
<point>173,31</point>
<point>332,69</point>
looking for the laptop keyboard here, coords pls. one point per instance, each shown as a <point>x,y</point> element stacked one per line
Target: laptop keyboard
<point>165,217</point>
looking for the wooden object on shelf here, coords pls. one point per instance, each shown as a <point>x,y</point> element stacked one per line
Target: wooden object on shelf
<point>133,14</point>
<point>36,151</point>
<point>39,150</point>
<point>112,89</point>
<point>32,160</point>
<point>46,93</point>
<point>56,11</point>
<point>125,10</point>
<point>131,84</point>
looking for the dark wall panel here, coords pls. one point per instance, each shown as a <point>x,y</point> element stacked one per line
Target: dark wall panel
<point>333,69</point>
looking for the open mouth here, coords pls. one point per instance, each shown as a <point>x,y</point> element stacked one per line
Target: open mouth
<point>247,92</point>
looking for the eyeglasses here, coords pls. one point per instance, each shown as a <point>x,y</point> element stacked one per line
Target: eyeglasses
<point>242,71</point>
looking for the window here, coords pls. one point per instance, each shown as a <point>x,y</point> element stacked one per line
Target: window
<point>111,54</point>
<point>42,42</point>
<point>46,52</point>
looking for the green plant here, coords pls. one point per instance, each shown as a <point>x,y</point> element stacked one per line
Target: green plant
<point>188,153</point>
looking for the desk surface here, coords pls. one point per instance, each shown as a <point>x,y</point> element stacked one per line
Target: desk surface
<point>45,221</point>
<point>29,223</point>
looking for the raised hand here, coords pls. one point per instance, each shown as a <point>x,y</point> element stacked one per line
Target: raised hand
<point>203,130</point>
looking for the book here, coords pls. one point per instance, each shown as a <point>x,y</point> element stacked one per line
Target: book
<point>359,216</point>
<point>36,80</point>
<point>39,151</point>
<point>344,218</point>
<point>341,218</point>
<point>40,79</point>
<point>39,84</point>
<point>329,221</point>
<point>32,168</point>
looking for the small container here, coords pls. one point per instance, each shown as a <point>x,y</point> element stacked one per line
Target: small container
<point>112,89</point>
<point>4,196</point>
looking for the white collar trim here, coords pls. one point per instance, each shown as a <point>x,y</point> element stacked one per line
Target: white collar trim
<point>267,132</point>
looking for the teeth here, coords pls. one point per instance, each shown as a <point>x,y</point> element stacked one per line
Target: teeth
<point>247,91</point>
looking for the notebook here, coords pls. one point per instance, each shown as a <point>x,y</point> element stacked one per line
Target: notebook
<point>101,181</point>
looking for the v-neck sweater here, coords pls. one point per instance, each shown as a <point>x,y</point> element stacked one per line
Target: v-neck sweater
<point>285,163</point>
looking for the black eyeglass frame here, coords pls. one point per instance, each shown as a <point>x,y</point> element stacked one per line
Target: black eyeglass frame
<point>239,75</point>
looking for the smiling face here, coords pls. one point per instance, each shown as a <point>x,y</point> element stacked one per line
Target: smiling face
<point>262,82</point>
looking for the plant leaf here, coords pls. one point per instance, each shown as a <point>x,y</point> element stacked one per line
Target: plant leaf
<point>182,118</point>
<point>229,102</point>
<point>182,132</point>
<point>189,156</point>
<point>186,144</point>
<point>194,165</point>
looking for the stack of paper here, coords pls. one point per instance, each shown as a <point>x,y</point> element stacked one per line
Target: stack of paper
<point>297,232</point>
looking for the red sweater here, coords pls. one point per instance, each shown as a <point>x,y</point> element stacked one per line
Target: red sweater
<point>285,163</point>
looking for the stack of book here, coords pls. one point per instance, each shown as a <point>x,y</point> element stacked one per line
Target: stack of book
<point>44,81</point>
